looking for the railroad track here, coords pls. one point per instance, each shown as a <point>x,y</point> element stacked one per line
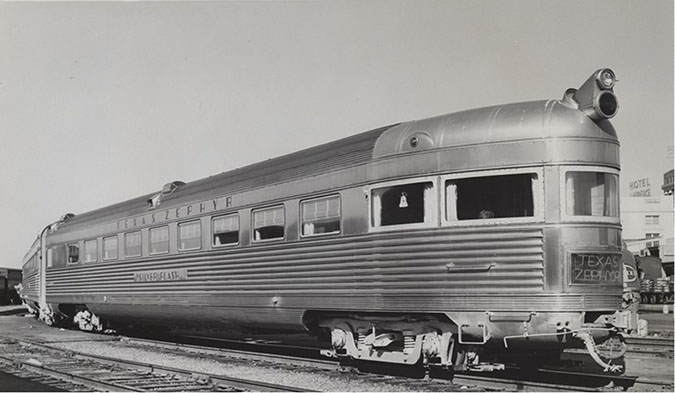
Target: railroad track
<point>109,374</point>
<point>102,373</point>
<point>510,380</point>
<point>656,346</point>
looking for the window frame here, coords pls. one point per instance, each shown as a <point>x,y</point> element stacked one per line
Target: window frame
<point>433,222</point>
<point>537,197</point>
<point>140,253</point>
<point>117,246</point>
<point>301,223</point>
<point>649,239</point>
<point>213,232</point>
<point>79,253</point>
<point>652,219</point>
<point>50,257</point>
<point>253,228</point>
<point>168,240</point>
<point>178,238</point>
<point>84,247</point>
<point>564,217</point>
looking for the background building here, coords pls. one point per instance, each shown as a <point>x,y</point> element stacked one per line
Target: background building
<point>647,218</point>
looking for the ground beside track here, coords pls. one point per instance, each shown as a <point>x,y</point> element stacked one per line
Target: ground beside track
<point>12,383</point>
<point>658,323</point>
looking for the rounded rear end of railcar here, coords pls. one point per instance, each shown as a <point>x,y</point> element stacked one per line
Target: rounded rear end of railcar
<point>507,243</point>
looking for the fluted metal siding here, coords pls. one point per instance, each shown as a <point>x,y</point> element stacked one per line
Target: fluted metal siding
<point>382,264</point>
<point>31,286</point>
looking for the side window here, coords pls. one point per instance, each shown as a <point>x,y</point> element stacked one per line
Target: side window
<point>268,223</point>
<point>50,257</point>
<point>60,255</point>
<point>412,203</point>
<point>320,216</point>
<point>491,197</point>
<point>226,230</point>
<point>110,248</point>
<point>73,253</point>
<point>190,236</point>
<point>159,240</point>
<point>90,251</point>
<point>132,244</point>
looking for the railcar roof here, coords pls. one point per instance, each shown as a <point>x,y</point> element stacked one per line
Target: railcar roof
<point>510,122</point>
<point>350,151</point>
<point>502,123</point>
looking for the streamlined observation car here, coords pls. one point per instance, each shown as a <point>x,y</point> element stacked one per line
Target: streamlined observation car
<point>489,230</point>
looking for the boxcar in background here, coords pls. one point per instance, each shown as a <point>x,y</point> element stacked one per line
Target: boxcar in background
<point>8,279</point>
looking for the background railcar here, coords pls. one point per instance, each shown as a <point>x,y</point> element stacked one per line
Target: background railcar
<point>9,278</point>
<point>494,229</point>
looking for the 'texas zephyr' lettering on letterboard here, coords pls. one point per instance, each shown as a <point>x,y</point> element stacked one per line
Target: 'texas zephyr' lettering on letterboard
<point>596,268</point>
<point>174,213</point>
<point>161,275</point>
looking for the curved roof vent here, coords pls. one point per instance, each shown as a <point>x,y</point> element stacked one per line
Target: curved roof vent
<point>66,217</point>
<point>168,189</point>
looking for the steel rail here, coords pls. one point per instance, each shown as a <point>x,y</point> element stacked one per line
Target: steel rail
<point>324,364</point>
<point>68,377</point>
<point>517,385</point>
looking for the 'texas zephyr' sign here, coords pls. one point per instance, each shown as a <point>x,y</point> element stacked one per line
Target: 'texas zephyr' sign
<point>596,268</point>
<point>161,275</point>
<point>184,211</point>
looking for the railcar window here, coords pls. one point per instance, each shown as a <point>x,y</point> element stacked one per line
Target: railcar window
<point>132,244</point>
<point>268,223</point>
<point>90,251</point>
<point>190,236</point>
<point>490,197</point>
<point>159,240</point>
<point>50,257</point>
<point>592,194</point>
<point>226,230</point>
<point>110,248</point>
<point>403,204</point>
<point>321,216</point>
<point>73,253</point>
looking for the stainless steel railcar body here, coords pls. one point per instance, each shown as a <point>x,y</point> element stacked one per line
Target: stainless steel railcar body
<point>31,272</point>
<point>494,227</point>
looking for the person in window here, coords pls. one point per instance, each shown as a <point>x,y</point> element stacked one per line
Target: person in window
<point>486,214</point>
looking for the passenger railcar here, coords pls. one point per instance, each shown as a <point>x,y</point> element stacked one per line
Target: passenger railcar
<point>493,230</point>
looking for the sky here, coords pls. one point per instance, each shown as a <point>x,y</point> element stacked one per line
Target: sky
<point>101,102</point>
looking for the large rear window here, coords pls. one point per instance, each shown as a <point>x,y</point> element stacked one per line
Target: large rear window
<point>592,194</point>
<point>491,197</point>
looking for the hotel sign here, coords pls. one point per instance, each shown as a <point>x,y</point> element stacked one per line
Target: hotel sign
<point>640,188</point>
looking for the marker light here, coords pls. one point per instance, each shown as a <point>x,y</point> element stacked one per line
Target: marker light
<point>607,104</point>
<point>606,78</point>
